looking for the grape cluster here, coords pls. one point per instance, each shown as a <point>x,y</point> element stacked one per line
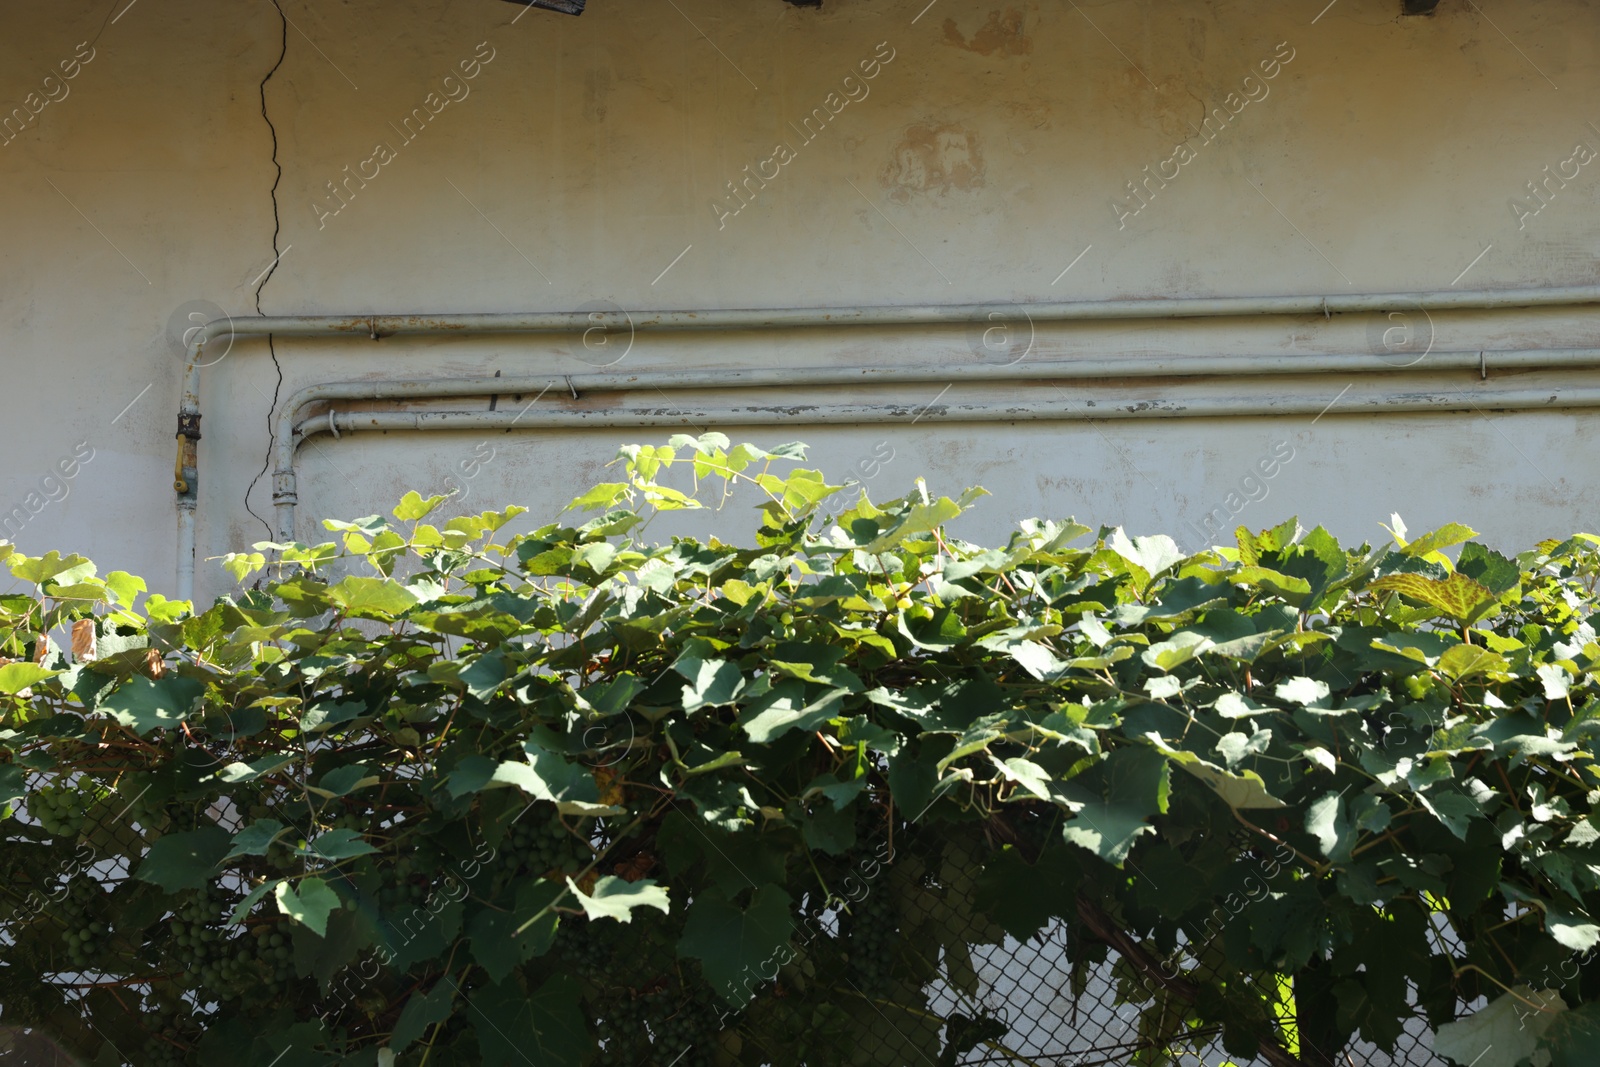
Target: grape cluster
<point>153,812</point>
<point>409,884</point>
<point>587,951</point>
<point>349,820</point>
<point>84,935</point>
<point>144,804</point>
<point>644,1017</point>
<point>167,1044</point>
<point>536,844</point>
<point>684,1028</point>
<point>267,952</point>
<point>872,934</point>
<point>663,1025</point>
<point>209,956</point>
<point>61,809</point>
<point>1035,829</point>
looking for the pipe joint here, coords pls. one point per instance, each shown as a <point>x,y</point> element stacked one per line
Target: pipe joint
<point>284,488</point>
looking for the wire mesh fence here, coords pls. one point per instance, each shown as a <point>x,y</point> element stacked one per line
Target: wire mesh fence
<point>906,961</point>
<point>958,994</point>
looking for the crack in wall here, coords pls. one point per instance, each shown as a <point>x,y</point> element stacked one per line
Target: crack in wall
<point>277,256</point>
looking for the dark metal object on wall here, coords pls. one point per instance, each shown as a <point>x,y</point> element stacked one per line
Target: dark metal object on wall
<point>1418,7</point>
<point>566,7</point>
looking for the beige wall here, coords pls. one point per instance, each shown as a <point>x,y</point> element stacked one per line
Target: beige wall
<point>588,153</point>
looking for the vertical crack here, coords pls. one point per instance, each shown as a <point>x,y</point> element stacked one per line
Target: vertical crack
<point>277,228</point>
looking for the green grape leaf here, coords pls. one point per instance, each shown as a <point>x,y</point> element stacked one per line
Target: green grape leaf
<point>1572,1036</point>
<point>1504,1032</point>
<point>184,860</point>
<point>13,783</point>
<point>412,506</point>
<point>734,944</point>
<point>422,1010</point>
<point>496,943</point>
<point>255,839</point>
<point>15,677</point>
<point>614,898</point>
<point>309,904</point>
<point>339,844</point>
<point>1108,830</point>
<point>545,1027</point>
<point>143,705</point>
<point>372,598</point>
<point>1458,596</point>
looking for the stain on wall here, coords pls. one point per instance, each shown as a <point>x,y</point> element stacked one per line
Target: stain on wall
<point>932,158</point>
<point>1002,32</point>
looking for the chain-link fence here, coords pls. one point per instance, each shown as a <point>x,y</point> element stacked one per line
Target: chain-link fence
<point>911,956</point>
<point>1073,994</point>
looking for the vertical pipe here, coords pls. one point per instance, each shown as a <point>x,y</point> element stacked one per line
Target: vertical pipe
<point>187,483</point>
<point>284,499</point>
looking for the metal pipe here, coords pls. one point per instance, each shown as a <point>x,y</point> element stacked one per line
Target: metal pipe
<point>292,431</point>
<point>376,326</point>
<point>815,377</point>
<point>919,374</point>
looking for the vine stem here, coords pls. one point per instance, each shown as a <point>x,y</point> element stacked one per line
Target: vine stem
<point>428,1050</point>
<point>1459,971</point>
<point>1316,868</point>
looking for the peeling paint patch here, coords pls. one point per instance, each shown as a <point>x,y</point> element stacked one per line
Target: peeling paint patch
<point>934,159</point>
<point>1002,33</point>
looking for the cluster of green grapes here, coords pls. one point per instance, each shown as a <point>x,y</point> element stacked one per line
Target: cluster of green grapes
<point>872,937</point>
<point>685,1028</point>
<point>349,820</point>
<point>209,956</point>
<point>267,953</point>
<point>281,856</point>
<point>409,882</point>
<point>643,1019</point>
<point>167,1045</point>
<point>84,935</point>
<point>667,1026</point>
<point>588,951</point>
<point>142,806</point>
<point>151,810</point>
<point>536,844</point>
<point>63,810</point>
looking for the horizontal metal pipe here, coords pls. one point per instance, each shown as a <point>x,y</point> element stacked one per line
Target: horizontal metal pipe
<point>376,326</point>
<point>1054,370</point>
<point>292,430</point>
<point>1067,370</point>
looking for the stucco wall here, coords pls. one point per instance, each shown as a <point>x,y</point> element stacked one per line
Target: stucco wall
<point>586,160</point>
